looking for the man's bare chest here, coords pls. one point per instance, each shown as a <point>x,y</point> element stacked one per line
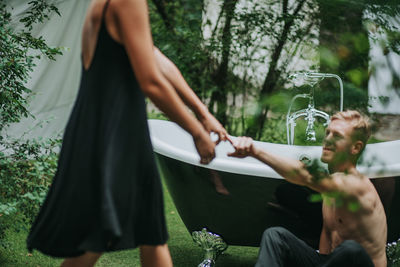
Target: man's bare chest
<point>338,219</point>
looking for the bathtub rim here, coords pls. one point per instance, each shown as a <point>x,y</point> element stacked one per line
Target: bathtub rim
<point>258,169</point>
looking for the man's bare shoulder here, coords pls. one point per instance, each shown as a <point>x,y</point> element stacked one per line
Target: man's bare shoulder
<point>358,187</point>
<point>353,184</point>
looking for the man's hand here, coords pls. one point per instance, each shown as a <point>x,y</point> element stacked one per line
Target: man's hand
<point>244,147</point>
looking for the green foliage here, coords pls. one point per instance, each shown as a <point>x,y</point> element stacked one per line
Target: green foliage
<point>317,171</point>
<point>225,69</point>
<point>315,198</point>
<point>393,254</point>
<point>39,12</point>
<point>26,166</point>
<point>339,198</point>
<point>26,171</point>
<point>275,131</point>
<point>176,31</point>
<point>18,52</point>
<point>353,206</point>
<point>156,116</point>
<point>183,250</point>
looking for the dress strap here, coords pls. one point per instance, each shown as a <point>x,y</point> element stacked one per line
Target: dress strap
<point>105,9</point>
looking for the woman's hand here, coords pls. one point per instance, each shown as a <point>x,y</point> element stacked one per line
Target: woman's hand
<point>205,147</point>
<point>211,124</point>
<point>243,147</point>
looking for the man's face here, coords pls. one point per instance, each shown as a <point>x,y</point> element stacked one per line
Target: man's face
<point>337,142</point>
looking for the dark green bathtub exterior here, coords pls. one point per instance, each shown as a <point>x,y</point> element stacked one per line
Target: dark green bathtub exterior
<point>240,207</point>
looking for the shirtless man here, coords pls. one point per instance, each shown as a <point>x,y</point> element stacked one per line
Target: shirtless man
<point>354,221</point>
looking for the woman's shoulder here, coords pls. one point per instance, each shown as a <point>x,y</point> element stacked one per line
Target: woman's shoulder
<point>98,7</point>
<point>126,8</point>
<point>124,4</point>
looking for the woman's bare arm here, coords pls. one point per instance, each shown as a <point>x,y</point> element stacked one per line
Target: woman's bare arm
<point>131,18</point>
<point>174,76</point>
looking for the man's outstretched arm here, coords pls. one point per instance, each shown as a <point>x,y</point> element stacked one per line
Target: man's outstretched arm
<point>291,169</point>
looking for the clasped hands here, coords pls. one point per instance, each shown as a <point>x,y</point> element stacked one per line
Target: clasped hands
<point>243,145</point>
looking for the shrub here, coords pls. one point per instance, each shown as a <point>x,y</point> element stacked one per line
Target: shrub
<point>26,171</point>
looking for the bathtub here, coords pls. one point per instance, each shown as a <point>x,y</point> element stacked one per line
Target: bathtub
<point>239,198</point>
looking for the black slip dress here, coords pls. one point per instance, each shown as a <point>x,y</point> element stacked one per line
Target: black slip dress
<point>106,194</point>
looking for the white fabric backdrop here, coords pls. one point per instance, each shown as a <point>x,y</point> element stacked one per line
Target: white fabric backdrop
<point>55,84</point>
<point>380,81</point>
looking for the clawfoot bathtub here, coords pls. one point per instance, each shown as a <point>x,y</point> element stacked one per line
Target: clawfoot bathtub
<point>238,199</point>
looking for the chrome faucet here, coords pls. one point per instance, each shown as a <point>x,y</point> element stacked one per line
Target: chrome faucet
<point>309,113</point>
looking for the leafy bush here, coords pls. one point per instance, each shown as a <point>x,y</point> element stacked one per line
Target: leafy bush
<point>26,171</point>
<point>26,167</point>
<point>393,254</point>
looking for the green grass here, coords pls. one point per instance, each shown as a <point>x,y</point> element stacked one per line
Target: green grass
<point>184,251</point>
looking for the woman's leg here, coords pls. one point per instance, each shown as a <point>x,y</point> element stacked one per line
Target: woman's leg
<point>86,260</point>
<point>155,256</point>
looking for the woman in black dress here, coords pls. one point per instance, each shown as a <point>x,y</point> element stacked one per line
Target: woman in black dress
<point>106,194</point>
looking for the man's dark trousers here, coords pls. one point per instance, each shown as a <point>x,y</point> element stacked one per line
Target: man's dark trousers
<point>280,248</point>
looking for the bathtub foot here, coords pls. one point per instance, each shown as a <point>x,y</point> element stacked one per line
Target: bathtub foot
<point>212,244</point>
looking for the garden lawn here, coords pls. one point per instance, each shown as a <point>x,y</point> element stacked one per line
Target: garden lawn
<point>184,251</point>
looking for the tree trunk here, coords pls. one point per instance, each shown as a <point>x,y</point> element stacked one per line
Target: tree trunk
<point>257,125</point>
<point>220,96</point>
